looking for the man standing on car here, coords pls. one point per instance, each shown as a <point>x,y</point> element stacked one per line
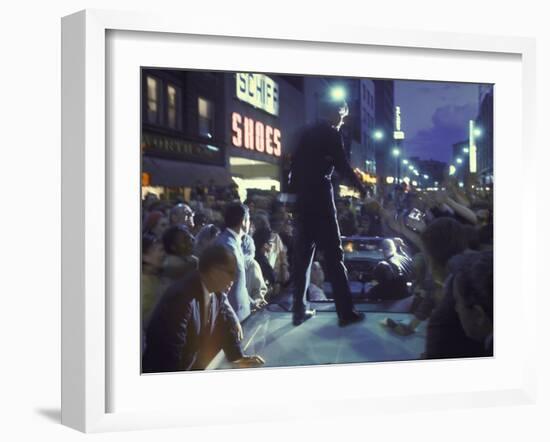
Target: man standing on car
<point>318,153</point>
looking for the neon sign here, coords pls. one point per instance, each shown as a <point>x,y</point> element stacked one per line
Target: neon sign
<point>255,135</point>
<point>259,91</point>
<point>398,134</point>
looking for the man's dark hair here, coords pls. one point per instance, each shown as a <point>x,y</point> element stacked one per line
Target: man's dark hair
<point>442,239</point>
<point>234,215</point>
<point>170,236</point>
<point>216,255</point>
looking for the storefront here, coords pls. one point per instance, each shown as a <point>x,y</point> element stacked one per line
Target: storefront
<point>172,166</point>
<point>264,115</point>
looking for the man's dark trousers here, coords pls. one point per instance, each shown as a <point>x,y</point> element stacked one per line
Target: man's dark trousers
<point>320,229</point>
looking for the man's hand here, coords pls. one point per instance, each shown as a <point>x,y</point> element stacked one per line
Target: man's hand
<point>259,304</point>
<point>240,334</point>
<point>249,362</point>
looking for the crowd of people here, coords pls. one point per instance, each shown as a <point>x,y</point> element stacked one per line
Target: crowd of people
<point>445,252</point>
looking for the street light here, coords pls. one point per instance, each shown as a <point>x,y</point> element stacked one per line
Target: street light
<point>478,132</point>
<point>338,93</point>
<point>426,177</point>
<point>459,160</point>
<point>378,135</point>
<point>405,161</point>
<point>395,152</point>
<point>465,150</point>
<point>411,167</point>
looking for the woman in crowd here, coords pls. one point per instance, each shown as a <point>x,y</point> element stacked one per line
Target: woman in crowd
<point>264,243</point>
<point>178,244</point>
<point>317,280</point>
<point>255,284</point>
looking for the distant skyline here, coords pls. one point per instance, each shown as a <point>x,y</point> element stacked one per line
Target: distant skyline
<point>435,115</point>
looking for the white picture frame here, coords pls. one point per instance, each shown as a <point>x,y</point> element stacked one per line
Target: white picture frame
<point>86,214</point>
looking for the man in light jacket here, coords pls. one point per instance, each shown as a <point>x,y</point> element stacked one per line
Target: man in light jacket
<point>236,215</point>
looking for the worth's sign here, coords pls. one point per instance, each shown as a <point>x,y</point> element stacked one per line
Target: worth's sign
<point>259,91</point>
<point>255,135</point>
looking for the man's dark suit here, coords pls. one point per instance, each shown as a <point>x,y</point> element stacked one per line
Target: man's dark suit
<point>177,336</point>
<point>319,152</point>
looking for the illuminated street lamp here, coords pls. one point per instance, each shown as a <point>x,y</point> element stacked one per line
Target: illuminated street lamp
<point>465,150</point>
<point>478,132</point>
<point>395,152</point>
<point>338,93</point>
<point>426,177</point>
<point>378,135</point>
<point>405,161</point>
<point>411,167</point>
<point>459,160</point>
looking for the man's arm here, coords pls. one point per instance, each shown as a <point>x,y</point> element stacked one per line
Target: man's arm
<point>231,343</point>
<point>336,151</point>
<point>233,332</point>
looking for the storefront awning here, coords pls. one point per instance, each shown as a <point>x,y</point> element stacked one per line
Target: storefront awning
<point>172,173</point>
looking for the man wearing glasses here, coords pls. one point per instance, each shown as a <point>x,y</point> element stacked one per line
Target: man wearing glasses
<point>193,320</point>
<point>182,214</point>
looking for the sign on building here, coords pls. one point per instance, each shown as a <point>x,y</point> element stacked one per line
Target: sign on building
<point>259,91</point>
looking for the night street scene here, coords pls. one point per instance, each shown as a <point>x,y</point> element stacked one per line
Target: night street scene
<point>302,220</point>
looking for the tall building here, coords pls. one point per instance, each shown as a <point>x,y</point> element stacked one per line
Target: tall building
<point>384,124</point>
<point>484,141</point>
<point>365,158</point>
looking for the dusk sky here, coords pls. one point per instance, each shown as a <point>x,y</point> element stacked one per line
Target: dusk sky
<point>434,115</point>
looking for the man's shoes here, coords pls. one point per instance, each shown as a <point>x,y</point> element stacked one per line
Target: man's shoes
<point>299,319</point>
<point>352,319</point>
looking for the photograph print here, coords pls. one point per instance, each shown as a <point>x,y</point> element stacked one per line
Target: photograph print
<point>305,220</point>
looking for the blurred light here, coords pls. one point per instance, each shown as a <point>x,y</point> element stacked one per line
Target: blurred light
<point>395,152</point>
<point>407,180</point>
<point>459,160</point>
<point>338,93</point>
<point>426,177</point>
<point>436,183</point>
<point>415,172</point>
<point>478,132</point>
<point>452,169</point>
<point>378,135</point>
<point>405,161</point>
<point>465,150</point>
<point>461,184</point>
<point>414,183</point>
<point>411,167</point>
<point>389,180</point>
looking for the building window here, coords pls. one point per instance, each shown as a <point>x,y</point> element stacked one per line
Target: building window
<point>206,117</point>
<point>172,106</point>
<point>152,100</point>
